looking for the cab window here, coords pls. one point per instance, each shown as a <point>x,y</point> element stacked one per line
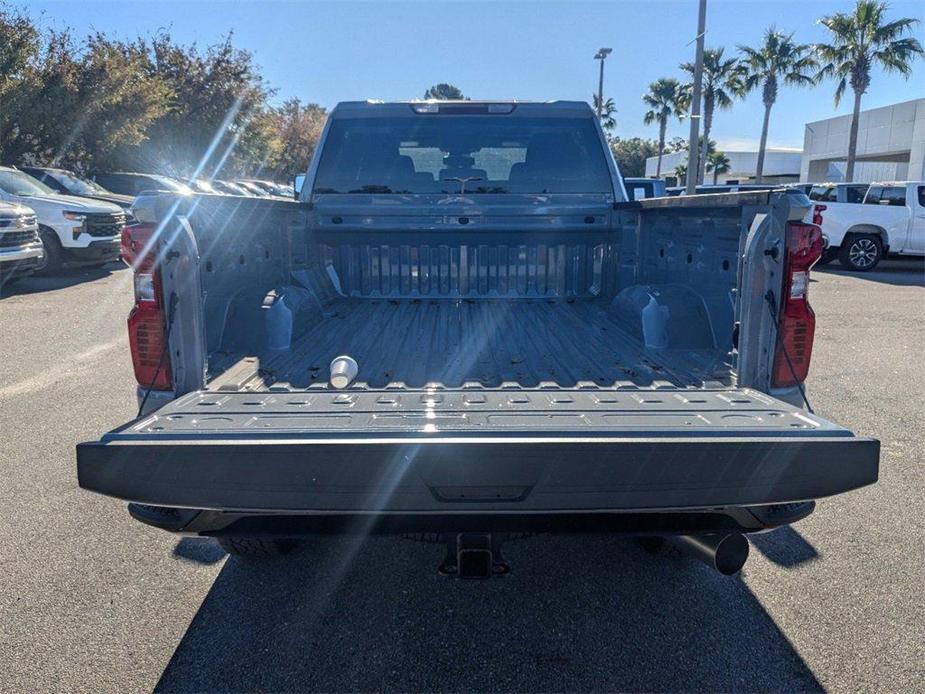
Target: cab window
<point>895,196</point>
<point>855,194</point>
<point>822,193</point>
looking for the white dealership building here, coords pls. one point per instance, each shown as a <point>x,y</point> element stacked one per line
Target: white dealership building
<point>891,145</point>
<point>780,166</point>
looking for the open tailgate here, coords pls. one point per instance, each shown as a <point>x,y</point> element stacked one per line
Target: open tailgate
<point>542,450</point>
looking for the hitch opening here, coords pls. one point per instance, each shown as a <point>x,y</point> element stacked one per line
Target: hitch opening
<point>473,555</point>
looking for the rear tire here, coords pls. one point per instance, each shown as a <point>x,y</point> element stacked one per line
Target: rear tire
<point>53,260</point>
<point>252,547</point>
<point>861,252</point>
<point>828,255</point>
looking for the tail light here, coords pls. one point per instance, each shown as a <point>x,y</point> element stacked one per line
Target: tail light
<point>796,321</point>
<point>817,214</point>
<point>147,322</point>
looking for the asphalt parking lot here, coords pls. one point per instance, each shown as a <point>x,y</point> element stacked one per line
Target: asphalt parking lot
<point>92,601</point>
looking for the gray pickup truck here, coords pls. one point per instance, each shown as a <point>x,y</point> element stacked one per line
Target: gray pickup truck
<point>463,332</point>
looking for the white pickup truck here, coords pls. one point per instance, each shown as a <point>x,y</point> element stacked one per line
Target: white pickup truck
<point>890,220</point>
<point>74,231</point>
<point>20,247</point>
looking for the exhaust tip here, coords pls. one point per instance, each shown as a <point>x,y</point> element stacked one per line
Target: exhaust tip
<point>731,554</point>
<point>725,553</point>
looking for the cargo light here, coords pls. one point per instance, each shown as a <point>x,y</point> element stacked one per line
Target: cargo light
<point>460,108</point>
<point>796,322</point>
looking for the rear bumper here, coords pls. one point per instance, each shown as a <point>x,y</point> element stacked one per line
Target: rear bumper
<point>415,476</point>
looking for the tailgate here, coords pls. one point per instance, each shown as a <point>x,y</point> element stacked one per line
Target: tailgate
<point>542,450</point>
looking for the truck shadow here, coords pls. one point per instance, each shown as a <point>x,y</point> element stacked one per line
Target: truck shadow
<point>785,547</point>
<point>588,613</point>
<point>902,272</point>
<point>68,277</point>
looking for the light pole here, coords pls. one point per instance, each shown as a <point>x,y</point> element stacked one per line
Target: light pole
<point>693,151</point>
<point>601,55</point>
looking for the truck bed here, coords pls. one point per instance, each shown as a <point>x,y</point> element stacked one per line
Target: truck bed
<point>473,343</point>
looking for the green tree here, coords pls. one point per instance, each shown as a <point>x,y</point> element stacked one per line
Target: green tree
<point>721,83</point>
<point>631,154</point>
<point>718,163</point>
<point>444,92</point>
<point>608,114</point>
<point>298,128</point>
<point>75,103</point>
<point>862,40</point>
<point>778,59</point>
<point>680,172</point>
<point>664,99</point>
<point>676,144</point>
<point>216,107</point>
<point>19,44</point>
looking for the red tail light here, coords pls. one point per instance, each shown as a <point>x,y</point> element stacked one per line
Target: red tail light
<point>147,322</point>
<point>817,214</point>
<point>796,321</point>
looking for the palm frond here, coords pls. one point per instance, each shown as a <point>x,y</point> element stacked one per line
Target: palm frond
<point>862,39</point>
<point>840,90</point>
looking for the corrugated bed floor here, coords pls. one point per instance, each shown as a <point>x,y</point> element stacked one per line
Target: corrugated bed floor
<point>449,343</point>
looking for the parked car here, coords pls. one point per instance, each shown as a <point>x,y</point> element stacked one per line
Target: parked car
<point>513,347</point>
<point>889,221</point>
<point>838,192</point>
<point>253,189</point>
<point>128,183</point>
<point>270,187</point>
<point>69,183</point>
<point>230,188</point>
<point>202,185</point>
<point>74,231</point>
<point>21,250</point>
<point>642,188</point>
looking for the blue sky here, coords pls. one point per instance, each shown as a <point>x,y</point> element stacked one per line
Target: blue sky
<point>334,51</point>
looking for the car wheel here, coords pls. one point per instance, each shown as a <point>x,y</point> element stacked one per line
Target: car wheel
<point>52,260</point>
<point>861,253</point>
<point>252,547</point>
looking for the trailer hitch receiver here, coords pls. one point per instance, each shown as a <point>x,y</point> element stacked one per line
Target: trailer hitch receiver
<point>473,555</point>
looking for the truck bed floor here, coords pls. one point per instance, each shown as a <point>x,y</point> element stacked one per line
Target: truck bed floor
<point>459,343</point>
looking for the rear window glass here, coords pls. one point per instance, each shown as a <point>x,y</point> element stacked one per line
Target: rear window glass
<point>452,154</point>
<point>873,195</point>
<point>894,196</point>
<point>855,194</point>
<point>921,196</point>
<point>822,193</point>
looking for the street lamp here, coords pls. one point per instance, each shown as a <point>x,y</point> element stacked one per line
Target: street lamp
<point>601,55</point>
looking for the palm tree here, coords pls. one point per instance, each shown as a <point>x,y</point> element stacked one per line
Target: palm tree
<point>666,97</point>
<point>608,111</point>
<point>680,172</point>
<point>778,59</point>
<point>718,163</point>
<point>861,40</point>
<point>722,82</point>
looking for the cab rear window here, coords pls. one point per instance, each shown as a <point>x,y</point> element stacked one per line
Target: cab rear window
<point>468,154</point>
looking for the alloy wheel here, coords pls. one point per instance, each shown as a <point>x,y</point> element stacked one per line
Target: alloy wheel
<point>863,253</point>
